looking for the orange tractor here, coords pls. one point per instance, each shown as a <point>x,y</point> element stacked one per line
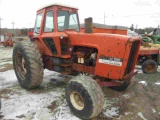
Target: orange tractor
<point>98,59</point>
<point>8,40</point>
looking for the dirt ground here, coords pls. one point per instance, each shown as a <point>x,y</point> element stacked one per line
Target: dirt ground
<point>141,101</point>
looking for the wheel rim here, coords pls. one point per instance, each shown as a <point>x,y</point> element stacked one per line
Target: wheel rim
<point>21,66</point>
<point>77,100</point>
<point>150,68</point>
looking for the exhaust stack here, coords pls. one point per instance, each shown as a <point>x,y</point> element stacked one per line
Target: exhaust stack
<point>88,25</point>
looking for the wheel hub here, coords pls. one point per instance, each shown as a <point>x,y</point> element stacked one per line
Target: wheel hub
<point>24,65</point>
<point>77,100</point>
<point>150,67</point>
<point>21,66</point>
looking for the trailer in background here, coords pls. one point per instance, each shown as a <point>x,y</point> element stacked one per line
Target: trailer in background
<point>101,28</point>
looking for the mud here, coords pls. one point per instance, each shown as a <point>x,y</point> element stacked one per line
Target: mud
<point>138,102</point>
<point>141,101</point>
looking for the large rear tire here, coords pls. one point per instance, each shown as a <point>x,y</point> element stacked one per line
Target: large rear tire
<point>28,65</point>
<point>149,66</point>
<point>84,97</point>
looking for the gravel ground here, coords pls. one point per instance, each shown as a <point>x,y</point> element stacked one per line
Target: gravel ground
<point>141,101</point>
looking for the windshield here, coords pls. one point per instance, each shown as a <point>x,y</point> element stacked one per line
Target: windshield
<point>67,20</point>
<point>38,23</point>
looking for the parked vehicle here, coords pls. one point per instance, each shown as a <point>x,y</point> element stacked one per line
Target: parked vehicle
<point>153,37</point>
<point>8,40</point>
<point>149,57</point>
<point>101,28</point>
<point>106,60</point>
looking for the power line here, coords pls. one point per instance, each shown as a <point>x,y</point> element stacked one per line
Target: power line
<point>104,18</point>
<point>139,15</point>
<point>112,16</point>
<point>131,15</point>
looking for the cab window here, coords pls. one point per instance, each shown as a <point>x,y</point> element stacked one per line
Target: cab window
<point>49,22</point>
<point>38,23</point>
<point>67,20</point>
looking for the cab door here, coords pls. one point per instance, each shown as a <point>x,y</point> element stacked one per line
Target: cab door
<point>48,35</point>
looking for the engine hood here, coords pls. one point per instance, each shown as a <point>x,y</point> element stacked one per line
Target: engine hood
<point>105,43</point>
<point>110,47</point>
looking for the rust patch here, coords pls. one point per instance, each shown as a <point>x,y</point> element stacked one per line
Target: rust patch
<point>82,68</point>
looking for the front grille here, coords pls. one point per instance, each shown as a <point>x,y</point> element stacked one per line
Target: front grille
<point>51,45</point>
<point>131,59</point>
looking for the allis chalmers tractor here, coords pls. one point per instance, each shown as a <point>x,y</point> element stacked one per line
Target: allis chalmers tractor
<point>149,57</point>
<point>8,40</point>
<point>100,59</point>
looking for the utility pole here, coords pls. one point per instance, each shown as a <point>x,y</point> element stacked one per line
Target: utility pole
<point>13,27</point>
<point>137,29</point>
<point>104,18</point>
<point>0,28</point>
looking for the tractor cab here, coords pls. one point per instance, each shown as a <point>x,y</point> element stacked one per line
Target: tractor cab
<point>51,23</point>
<point>56,18</point>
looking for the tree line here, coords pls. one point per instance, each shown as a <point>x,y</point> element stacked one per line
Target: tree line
<point>142,30</point>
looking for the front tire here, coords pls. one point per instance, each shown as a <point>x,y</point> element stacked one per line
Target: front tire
<point>27,63</point>
<point>84,97</point>
<point>149,66</point>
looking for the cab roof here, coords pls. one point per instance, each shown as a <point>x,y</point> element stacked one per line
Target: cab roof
<point>57,4</point>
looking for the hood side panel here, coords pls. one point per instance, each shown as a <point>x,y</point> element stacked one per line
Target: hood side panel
<point>110,47</point>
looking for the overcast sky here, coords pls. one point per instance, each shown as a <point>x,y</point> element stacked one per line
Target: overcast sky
<point>141,13</point>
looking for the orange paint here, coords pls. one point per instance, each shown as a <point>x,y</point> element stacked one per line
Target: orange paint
<point>108,44</point>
